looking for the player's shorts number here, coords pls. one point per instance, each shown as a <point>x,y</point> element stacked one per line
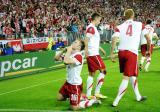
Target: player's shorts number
<point>74,97</point>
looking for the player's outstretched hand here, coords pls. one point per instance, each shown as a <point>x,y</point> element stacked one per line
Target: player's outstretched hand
<point>112,56</point>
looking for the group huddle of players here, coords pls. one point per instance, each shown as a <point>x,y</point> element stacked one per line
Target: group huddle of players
<point>129,35</point>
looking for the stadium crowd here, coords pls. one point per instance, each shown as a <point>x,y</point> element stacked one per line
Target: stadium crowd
<point>68,18</point>
<point>52,17</point>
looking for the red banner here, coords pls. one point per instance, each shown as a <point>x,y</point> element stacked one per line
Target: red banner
<point>32,44</point>
<point>17,45</point>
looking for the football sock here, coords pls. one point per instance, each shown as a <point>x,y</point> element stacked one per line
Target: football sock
<point>148,61</point>
<point>142,60</point>
<point>121,92</point>
<point>134,83</point>
<point>100,80</point>
<point>86,103</point>
<point>89,85</point>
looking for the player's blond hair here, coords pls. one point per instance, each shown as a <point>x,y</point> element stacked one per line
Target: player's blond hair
<point>128,13</point>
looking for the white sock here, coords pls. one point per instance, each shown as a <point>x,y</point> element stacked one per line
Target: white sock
<point>83,97</point>
<point>148,61</point>
<point>89,85</point>
<point>100,80</point>
<point>121,92</point>
<point>142,60</point>
<point>134,83</point>
<point>86,103</point>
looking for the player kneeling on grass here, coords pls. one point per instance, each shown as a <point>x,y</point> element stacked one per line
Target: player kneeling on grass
<point>72,88</point>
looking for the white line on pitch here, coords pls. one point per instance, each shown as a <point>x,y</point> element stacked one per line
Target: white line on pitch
<point>28,110</point>
<point>16,90</point>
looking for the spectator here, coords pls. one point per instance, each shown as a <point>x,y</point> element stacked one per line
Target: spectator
<point>8,50</point>
<point>59,44</point>
<point>26,14</point>
<point>1,50</point>
<point>50,43</point>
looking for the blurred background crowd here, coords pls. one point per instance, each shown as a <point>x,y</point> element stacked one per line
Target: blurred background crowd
<point>58,18</point>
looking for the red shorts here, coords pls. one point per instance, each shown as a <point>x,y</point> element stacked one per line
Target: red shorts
<point>144,49</point>
<point>128,63</point>
<point>95,63</point>
<point>73,92</point>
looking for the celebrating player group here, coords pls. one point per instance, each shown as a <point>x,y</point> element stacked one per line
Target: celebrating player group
<point>130,34</point>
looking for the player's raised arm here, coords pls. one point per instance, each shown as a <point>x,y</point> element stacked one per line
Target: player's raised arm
<point>58,57</point>
<point>67,58</point>
<point>77,46</point>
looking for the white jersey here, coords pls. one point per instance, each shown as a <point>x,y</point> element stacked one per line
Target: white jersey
<point>147,30</point>
<point>93,40</point>
<point>129,34</point>
<point>74,70</point>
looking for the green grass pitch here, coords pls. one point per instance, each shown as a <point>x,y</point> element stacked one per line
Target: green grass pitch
<point>37,93</point>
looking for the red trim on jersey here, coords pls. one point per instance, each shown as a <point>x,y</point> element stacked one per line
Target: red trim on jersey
<point>90,30</point>
<point>143,26</point>
<point>78,57</point>
<point>116,30</point>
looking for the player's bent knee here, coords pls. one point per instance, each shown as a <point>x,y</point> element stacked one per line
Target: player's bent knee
<point>60,97</point>
<point>126,77</point>
<point>74,108</point>
<point>92,74</point>
<point>104,72</point>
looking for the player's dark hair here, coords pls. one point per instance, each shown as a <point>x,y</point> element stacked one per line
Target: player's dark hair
<point>82,44</point>
<point>149,21</point>
<point>94,16</point>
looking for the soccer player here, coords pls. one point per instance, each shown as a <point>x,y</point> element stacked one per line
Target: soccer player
<point>150,32</point>
<point>129,39</point>
<point>72,88</point>
<point>94,61</point>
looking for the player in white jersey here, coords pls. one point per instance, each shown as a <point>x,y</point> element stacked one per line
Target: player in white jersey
<point>94,60</point>
<point>72,88</point>
<point>150,31</point>
<point>129,39</point>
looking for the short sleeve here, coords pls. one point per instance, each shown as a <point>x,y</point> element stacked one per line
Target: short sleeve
<point>116,33</point>
<point>90,30</point>
<point>143,26</point>
<point>78,59</point>
<point>145,31</point>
